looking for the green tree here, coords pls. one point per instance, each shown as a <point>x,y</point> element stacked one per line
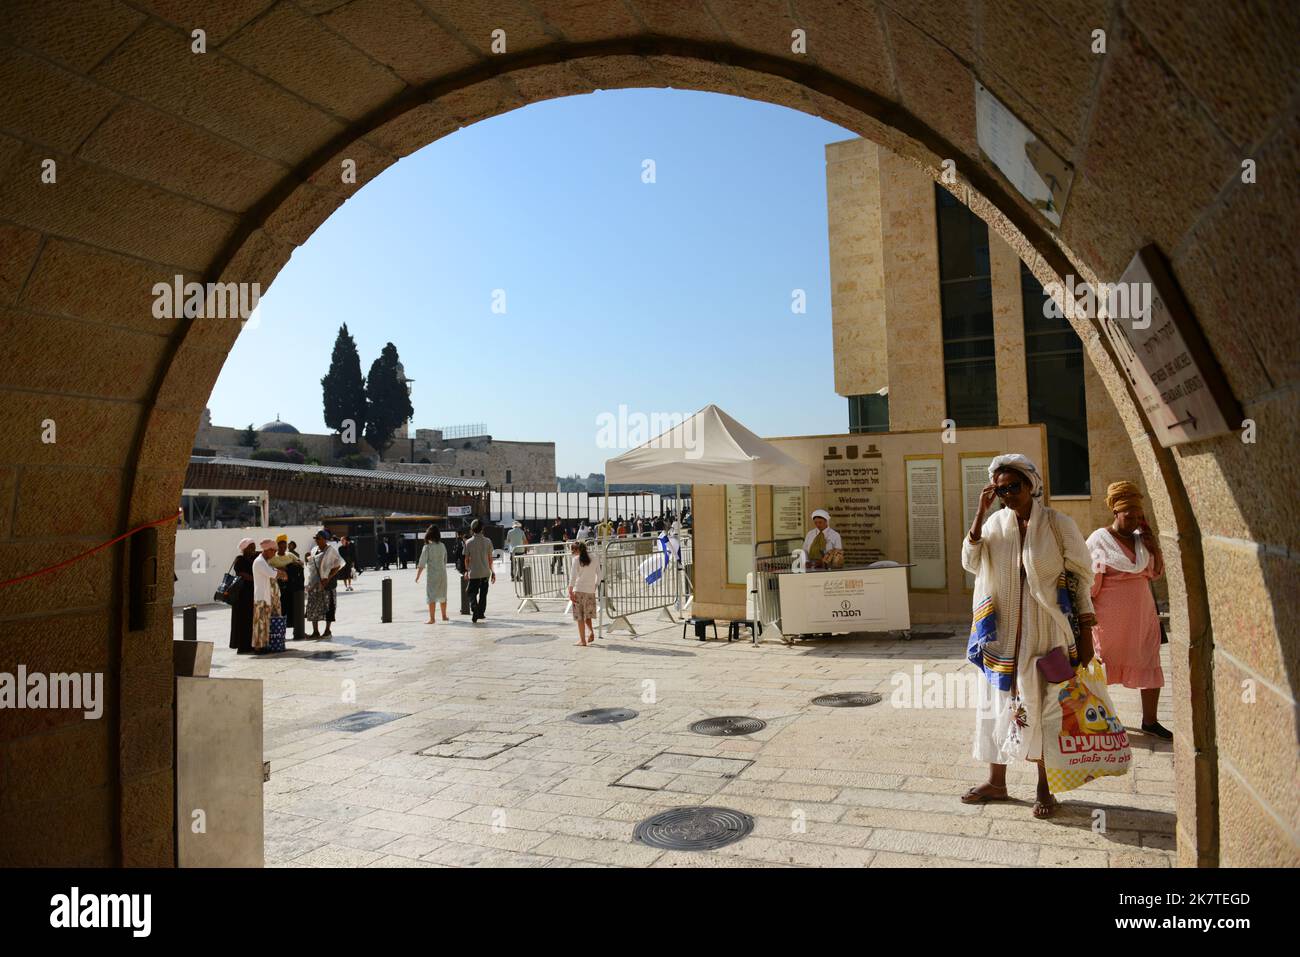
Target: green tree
<point>343,389</point>
<point>388,402</point>
<point>248,437</point>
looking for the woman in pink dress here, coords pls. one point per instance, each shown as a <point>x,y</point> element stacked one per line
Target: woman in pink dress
<point>1126,558</point>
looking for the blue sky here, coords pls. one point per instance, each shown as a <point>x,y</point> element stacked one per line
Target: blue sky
<point>662,296</point>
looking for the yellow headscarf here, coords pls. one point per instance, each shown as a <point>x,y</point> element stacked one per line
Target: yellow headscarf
<point>1121,496</point>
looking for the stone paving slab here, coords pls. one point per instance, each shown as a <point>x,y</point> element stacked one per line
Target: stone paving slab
<point>844,787</point>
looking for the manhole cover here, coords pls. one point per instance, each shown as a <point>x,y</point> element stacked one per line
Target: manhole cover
<point>693,828</point>
<point>730,725</point>
<point>524,639</point>
<point>363,720</point>
<point>603,716</point>
<point>848,699</point>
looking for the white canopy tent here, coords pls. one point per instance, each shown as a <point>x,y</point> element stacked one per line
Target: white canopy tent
<point>709,448</point>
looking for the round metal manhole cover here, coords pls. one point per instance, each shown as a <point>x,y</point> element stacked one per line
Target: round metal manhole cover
<point>693,828</point>
<point>728,726</point>
<point>603,716</point>
<point>848,699</point>
<point>524,639</point>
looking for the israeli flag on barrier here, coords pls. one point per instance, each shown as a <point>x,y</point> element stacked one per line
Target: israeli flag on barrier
<point>652,569</point>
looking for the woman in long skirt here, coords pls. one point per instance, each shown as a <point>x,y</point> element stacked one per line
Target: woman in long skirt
<point>241,609</point>
<point>433,560</point>
<point>1126,559</point>
<point>1017,557</point>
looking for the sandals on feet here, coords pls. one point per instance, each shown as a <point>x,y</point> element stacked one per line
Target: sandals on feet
<point>977,796</point>
<point>1045,809</point>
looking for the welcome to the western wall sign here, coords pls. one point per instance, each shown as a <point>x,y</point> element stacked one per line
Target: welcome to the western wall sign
<point>1166,359</point>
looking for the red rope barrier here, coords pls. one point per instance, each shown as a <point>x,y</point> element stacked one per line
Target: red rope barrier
<point>77,558</point>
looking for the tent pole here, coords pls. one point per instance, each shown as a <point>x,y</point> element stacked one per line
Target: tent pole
<point>604,553</point>
<point>753,530</point>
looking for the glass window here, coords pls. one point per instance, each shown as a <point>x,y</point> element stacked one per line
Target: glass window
<point>1057,399</point>
<point>869,413</point>
<point>966,304</point>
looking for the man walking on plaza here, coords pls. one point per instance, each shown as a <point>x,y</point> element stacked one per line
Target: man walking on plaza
<point>478,570</point>
<point>514,538</point>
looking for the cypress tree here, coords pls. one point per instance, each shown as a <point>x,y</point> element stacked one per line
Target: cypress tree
<point>343,390</point>
<point>389,404</point>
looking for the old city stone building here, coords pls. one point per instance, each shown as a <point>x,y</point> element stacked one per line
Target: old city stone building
<point>525,466</point>
<point>218,165</point>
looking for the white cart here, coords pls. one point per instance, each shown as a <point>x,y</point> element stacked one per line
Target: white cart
<point>844,600</point>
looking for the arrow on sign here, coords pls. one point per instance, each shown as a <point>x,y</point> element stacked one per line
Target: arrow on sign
<point>1190,418</point>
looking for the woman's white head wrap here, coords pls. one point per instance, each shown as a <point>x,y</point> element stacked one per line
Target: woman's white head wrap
<point>245,542</point>
<point>1022,464</point>
<point>822,513</point>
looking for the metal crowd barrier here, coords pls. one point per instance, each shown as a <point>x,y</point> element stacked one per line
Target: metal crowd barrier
<point>624,588</point>
<point>541,573</point>
<point>773,557</point>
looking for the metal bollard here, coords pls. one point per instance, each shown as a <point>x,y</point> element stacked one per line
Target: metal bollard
<point>190,619</point>
<point>298,603</point>
<point>386,615</point>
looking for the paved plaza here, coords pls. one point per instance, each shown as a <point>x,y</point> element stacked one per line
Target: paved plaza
<point>511,782</point>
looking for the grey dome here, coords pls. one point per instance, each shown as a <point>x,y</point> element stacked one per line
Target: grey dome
<point>278,426</point>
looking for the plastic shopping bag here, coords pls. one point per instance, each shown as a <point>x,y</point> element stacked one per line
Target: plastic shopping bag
<point>1082,736</point>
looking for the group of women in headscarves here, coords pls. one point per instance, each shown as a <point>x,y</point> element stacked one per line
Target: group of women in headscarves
<point>256,597</point>
<point>1019,555</point>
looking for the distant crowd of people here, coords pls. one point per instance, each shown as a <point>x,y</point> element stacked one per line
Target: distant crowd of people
<point>268,575</point>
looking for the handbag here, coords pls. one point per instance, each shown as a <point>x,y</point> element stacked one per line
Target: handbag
<point>226,590</point>
<point>277,632</point>
<point>1055,667</point>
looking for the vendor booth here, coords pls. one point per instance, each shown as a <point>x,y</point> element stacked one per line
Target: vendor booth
<point>712,448</point>
<point>843,600</point>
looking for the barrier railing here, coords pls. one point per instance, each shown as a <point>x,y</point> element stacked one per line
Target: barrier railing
<point>773,557</point>
<point>541,573</point>
<point>627,564</point>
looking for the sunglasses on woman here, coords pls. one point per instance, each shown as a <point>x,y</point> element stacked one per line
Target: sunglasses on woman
<point>1011,488</point>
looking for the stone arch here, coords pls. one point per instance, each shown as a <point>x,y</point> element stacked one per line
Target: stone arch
<point>371,81</point>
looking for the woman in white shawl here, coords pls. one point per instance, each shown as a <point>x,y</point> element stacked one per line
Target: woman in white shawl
<point>1017,557</point>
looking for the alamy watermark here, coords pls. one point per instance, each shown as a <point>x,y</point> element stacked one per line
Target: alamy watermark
<point>214,300</point>
<point>658,430</point>
<point>935,689</point>
<point>126,911</point>
<point>1115,300</point>
<point>53,691</point>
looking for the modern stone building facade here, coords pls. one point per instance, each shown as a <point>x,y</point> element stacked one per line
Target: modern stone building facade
<point>888,319</point>
<point>1157,130</point>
